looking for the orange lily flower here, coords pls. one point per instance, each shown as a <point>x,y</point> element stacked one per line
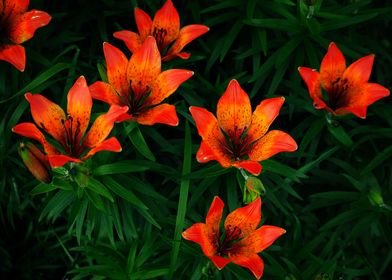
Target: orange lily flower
<point>238,138</point>
<point>240,242</point>
<point>346,88</point>
<point>18,25</point>
<point>165,28</point>
<point>140,84</point>
<point>69,130</point>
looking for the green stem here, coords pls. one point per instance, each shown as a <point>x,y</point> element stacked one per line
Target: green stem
<point>184,189</point>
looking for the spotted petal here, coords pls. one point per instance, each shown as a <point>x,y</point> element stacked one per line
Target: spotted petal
<point>144,67</point>
<point>273,142</point>
<point>207,126</point>
<point>245,219</point>
<point>234,111</point>
<point>166,25</point>
<point>48,116</point>
<point>116,64</point>
<point>103,125</point>
<point>79,108</point>
<point>263,116</point>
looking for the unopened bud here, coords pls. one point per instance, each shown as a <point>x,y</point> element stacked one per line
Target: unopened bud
<point>35,161</point>
<point>253,189</point>
<point>375,197</point>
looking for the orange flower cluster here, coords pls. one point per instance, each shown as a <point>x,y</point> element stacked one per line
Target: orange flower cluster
<point>136,88</point>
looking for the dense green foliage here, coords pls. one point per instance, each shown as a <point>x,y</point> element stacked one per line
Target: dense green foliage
<point>333,196</point>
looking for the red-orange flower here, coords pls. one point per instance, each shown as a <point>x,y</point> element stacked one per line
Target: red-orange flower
<point>236,137</point>
<point>342,90</point>
<point>69,130</point>
<point>140,84</point>
<point>18,25</point>
<point>240,241</point>
<point>165,28</point>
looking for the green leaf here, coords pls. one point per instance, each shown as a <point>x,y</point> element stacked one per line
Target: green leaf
<point>340,134</point>
<point>57,204</point>
<point>376,161</point>
<point>125,166</point>
<point>182,203</point>
<point>99,188</point>
<point>139,143</point>
<point>43,188</point>
<point>40,79</point>
<point>124,193</point>
<point>95,199</point>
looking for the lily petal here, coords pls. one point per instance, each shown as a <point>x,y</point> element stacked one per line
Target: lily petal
<point>187,34</point>
<point>253,262</point>
<point>103,125</point>
<point>59,160</point>
<point>167,83</point>
<point>258,240</point>
<point>11,8</point>
<point>359,71</point>
<point>207,126</point>
<point>131,39</point>
<point>105,92</point>
<point>219,262</point>
<point>205,154</point>
<point>359,100</point>
<point>198,233</point>
<point>14,54</point>
<point>251,166</point>
<point>143,22</point>
<point>144,67</point>
<point>79,108</point>
<point>312,79</point>
<point>214,217</point>
<point>273,142</point>
<point>48,116</point>
<point>31,131</point>
<point>164,114</point>
<point>332,67</point>
<point>234,111</point>
<point>25,25</point>
<point>263,116</point>
<point>111,145</point>
<point>246,219</point>
<point>116,64</point>
<point>166,25</point>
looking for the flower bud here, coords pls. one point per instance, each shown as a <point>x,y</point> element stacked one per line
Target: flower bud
<point>253,189</point>
<point>375,197</point>
<point>35,161</point>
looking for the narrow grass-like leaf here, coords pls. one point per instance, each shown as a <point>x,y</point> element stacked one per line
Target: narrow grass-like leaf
<point>182,202</point>
<point>125,166</point>
<point>124,193</point>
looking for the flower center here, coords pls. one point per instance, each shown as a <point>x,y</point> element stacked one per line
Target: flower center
<point>336,96</point>
<point>136,98</point>
<point>72,147</point>
<point>160,34</point>
<point>236,144</point>
<point>230,237</point>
